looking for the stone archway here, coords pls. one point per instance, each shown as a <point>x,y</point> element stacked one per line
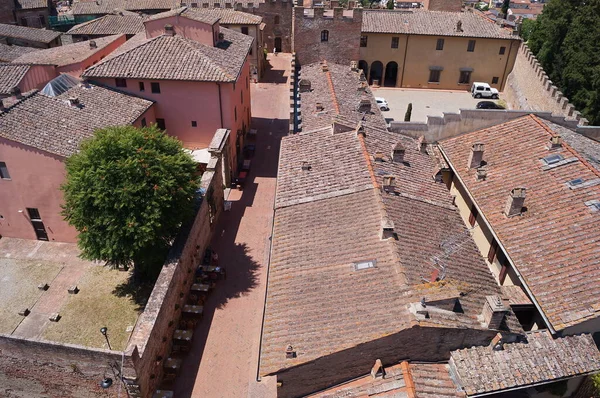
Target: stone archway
<point>376,72</point>
<point>278,44</point>
<point>391,74</point>
<point>362,64</point>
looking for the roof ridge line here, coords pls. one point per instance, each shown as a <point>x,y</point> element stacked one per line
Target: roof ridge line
<point>332,89</point>
<point>567,146</point>
<point>197,46</point>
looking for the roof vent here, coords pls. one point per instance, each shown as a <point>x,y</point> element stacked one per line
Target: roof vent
<point>377,371</point>
<point>169,30</point>
<point>74,101</point>
<point>361,76</point>
<point>16,92</point>
<point>364,106</point>
<point>398,153</point>
<point>362,87</point>
<point>387,229</point>
<point>324,67</point>
<point>481,174</point>
<point>494,312</point>
<point>476,156</point>
<point>3,107</point>
<point>306,166</point>
<point>515,202</point>
<point>304,85</point>
<point>378,157</point>
<point>354,66</point>
<point>93,44</point>
<point>320,107</point>
<point>290,353</point>
<point>421,144</point>
<point>555,142</point>
<point>364,265</point>
<point>459,26</point>
<point>389,184</point>
<point>360,129</point>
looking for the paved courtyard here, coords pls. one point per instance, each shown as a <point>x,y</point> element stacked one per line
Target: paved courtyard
<point>223,361</point>
<point>425,102</point>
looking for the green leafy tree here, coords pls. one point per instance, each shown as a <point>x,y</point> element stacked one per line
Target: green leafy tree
<point>408,113</point>
<point>127,192</point>
<point>505,7</point>
<point>390,5</point>
<point>527,28</point>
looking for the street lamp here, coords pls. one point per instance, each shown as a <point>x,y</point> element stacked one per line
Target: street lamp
<point>104,332</point>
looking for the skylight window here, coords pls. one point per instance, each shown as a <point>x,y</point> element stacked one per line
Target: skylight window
<point>576,182</point>
<point>594,205</point>
<point>552,159</point>
<point>365,265</point>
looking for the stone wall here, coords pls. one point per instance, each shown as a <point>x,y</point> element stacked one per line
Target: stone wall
<point>467,120</point>
<point>418,344</point>
<point>273,11</point>
<point>32,17</point>
<point>528,87</point>
<point>6,12</point>
<point>443,5</point>
<point>343,42</point>
<point>150,342</point>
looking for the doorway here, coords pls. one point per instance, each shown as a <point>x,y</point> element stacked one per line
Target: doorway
<point>376,72</point>
<point>36,222</point>
<point>278,44</point>
<point>391,74</point>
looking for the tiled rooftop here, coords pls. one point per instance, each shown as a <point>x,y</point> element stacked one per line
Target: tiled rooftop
<point>67,54</point>
<point>92,7</point>
<point>541,359</point>
<point>10,53</point>
<point>53,125</point>
<point>193,14</point>
<point>30,4</point>
<point>10,76</point>
<point>560,263</point>
<point>177,58</point>
<point>111,24</point>
<point>225,16</point>
<point>30,34</point>
<point>435,23</point>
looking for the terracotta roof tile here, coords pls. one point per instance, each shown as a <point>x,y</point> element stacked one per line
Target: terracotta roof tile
<point>25,33</point>
<point>560,263</point>
<point>93,7</point>
<point>10,76</point>
<point>436,23</point>
<point>177,58</point>
<point>67,54</point>
<point>225,16</point>
<point>10,53</point>
<point>540,359</point>
<point>433,380</point>
<point>110,25</point>
<point>30,4</point>
<point>53,125</point>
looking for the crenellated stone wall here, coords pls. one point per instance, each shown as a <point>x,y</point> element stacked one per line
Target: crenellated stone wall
<point>529,88</point>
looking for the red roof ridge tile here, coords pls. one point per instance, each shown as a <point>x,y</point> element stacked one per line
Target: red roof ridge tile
<point>333,96</point>
<point>566,146</point>
<point>408,380</point>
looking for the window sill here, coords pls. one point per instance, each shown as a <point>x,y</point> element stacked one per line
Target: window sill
<point>433,83</point>
<point>6,179</point>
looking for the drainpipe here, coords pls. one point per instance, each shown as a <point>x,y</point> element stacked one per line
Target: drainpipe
<point>506,67</point>
<point>487,224</point>
<point>404,61</point>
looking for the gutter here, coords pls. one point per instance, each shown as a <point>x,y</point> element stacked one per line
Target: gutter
<point>487,224</point>
<point>506,67</point>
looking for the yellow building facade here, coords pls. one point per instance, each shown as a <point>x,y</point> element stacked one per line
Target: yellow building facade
<point>393,55</point>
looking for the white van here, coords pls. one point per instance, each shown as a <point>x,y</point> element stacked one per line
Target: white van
<point>483,90</point>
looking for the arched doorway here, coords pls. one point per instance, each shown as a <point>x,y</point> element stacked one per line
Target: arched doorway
<point>391,74</point>
<point>362,64</point>
<point>278,44</point>
<point>376,72</point>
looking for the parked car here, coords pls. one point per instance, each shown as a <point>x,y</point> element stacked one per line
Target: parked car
<point>479,90</point>
<point>488,105</point>
<point>382,103</point>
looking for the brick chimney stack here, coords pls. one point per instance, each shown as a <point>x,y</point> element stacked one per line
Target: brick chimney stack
<point>398,153</point>
<point>515,202</point>
<point>476,156</point>
<point>493,312</point>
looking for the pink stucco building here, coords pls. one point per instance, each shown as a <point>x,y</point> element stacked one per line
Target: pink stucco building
<point>37,133</point>
<point>196,71</point>
<point>24,77</point>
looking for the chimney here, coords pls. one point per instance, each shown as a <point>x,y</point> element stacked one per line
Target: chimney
<point>476,156</point>
<point>459,26</point>
<point>93,44</point>
<point>360,129</point>
<point>515,202</point>
<point>304,85</point>
<point>74,101</point>
<point>378,157</point>
<point>306,166</point>
<point>555,142</point>
<point>481,174</point>
<point>387,229</point>
<point>290,353</point>
<point>421,144</point>
<point>361,76</point>
<point>398,153</point>
<point>3,107</point>
<point>389,184</point>
<point>362,87</point>
<point>320,107</point>
<point>351,4</point>
<point>354,66</point>
<point>16,92</point>
<point>494,312</point>
<point>324,67</point>
<point>169,30</point>
<point>364,106</point>
<point>377,371</point>
<point>497,342</point>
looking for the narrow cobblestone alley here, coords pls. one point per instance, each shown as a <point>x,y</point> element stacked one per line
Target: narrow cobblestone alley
<point>224,357</point>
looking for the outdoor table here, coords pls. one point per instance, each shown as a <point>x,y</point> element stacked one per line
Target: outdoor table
<point>246,164</point>
<point>173,363</point>
<point>183,335</point>
<point>200,287</point>
<point>193,309</point>
<point>163,394</point>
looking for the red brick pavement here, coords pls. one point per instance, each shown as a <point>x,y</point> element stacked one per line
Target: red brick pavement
<point>224,359</point>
